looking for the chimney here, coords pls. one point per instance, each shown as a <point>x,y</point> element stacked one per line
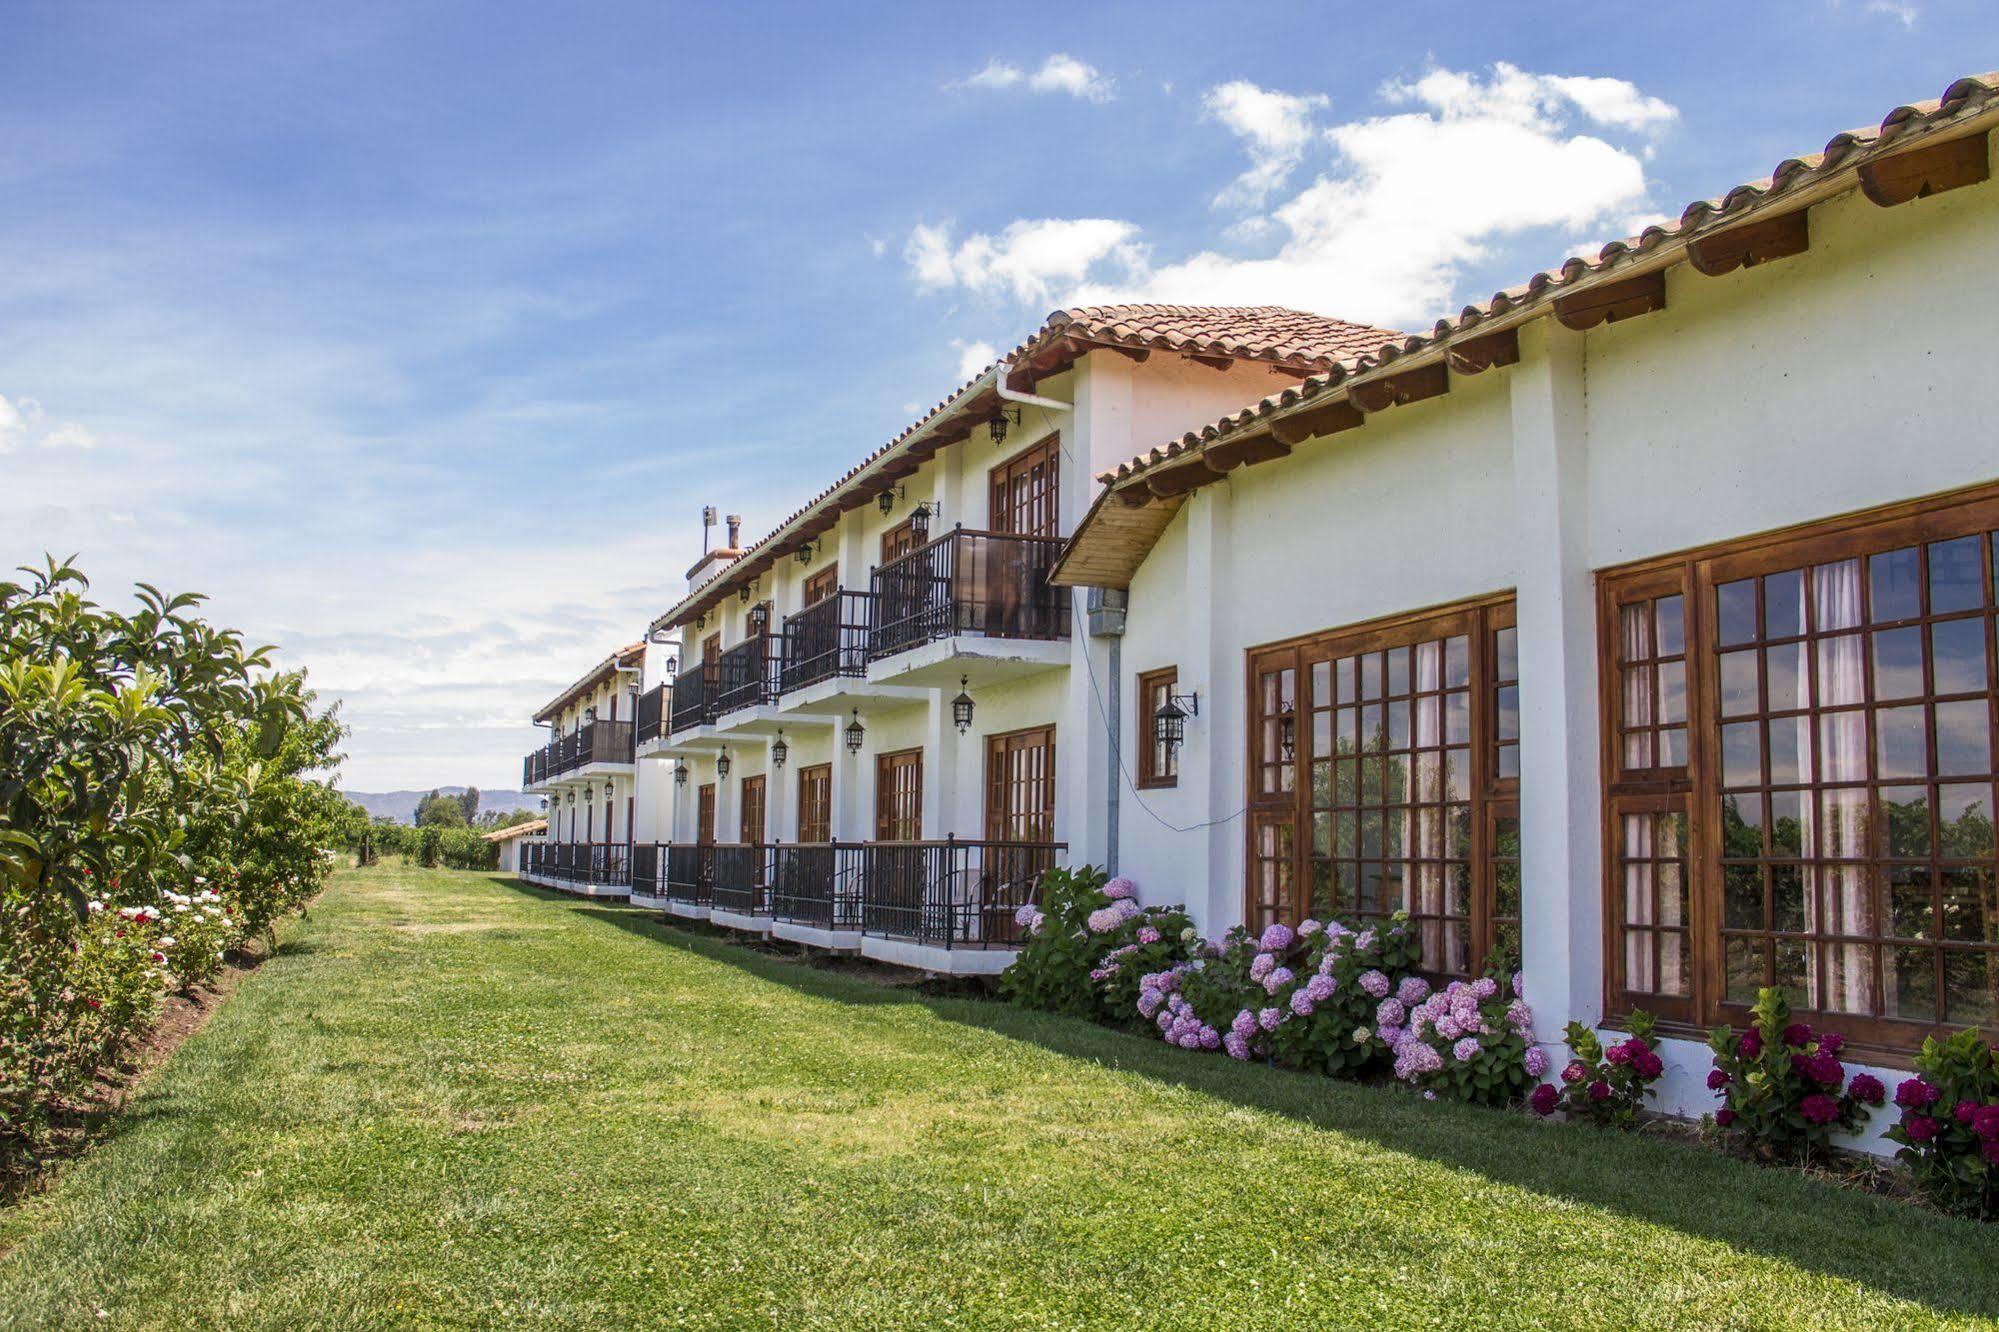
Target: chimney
<point>735,531</point>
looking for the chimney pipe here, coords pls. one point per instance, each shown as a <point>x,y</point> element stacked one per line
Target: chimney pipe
<point>735,530</point>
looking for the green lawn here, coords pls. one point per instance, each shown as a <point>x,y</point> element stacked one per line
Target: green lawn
<point>452,1100</point>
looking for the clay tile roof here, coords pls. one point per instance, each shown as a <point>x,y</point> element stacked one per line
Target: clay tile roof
<point>1292,341</point>
<point>1795,182</point>
<point>629,655</point>
<point>531,829</point>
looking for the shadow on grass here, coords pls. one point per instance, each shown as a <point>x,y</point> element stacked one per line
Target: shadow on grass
<point>1882,1244</point>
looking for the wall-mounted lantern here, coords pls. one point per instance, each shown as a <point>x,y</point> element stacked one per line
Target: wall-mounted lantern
<point>886,500</point>
<point>999,422</point>
<point>743,594</point>
<point>962,706</point>
<point>680,773</point>
<point>779,751</point>
<point>919,521</point>
<point>857,734</point>
<point>804,555</point>
<point>1169,723</point>
<point>722,764</point>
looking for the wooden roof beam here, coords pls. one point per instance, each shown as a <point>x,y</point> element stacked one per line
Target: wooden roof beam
<point>1429,381</point>
<point>1611,302</point>
<point>1134,496</point>
<point>1473,355</point>
<point>1327,420</point>
<point>1921,172</point>
<point>1750,244</point>
<point>1213,362</point>
<point>1244,451</point>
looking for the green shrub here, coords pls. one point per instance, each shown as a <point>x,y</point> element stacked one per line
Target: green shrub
<point>1784,1090</point>
<point>1948,1136</point>
<point>429,846</point>
<point>1088,944</point>
<point>1605,1087</point>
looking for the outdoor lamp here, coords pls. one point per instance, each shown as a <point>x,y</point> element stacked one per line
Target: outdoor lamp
<point>608,788</point>
<point>1169,723</point>
<point>999,423</point>
<point>857,734</point>
<point>743,593</point>
<point>886,500</point>
<point>805,553</point>
<point>919,521</point>
<point>779,751</point>
<point>722,764</point>
<point>962,706</point>
<point>680,773</point>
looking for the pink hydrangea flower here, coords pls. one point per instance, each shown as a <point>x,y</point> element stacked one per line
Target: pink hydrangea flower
<point>1261,966</point>
<point>1268,1018</point>
<point>1412,991</point>
<point>1277,980</point>
<point>1466,1050</point>
<point>1485,987</point>
<point>1276,938</point>
<point>1321,988</point>
<point>1536,1062</point>
<point>1390,1013</point>
<point>1148,934</point>
<point>1120,888</point>
<point>1375,984</point>
<point>1301,1003</point>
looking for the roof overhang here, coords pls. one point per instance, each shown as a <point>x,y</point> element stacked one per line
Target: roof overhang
<point>1917,151</point>
<point>628,657</point>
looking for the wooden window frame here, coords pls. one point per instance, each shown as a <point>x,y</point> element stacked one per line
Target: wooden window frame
<point>821,585</point>
<point>752,809</point>
<point>1698,788</point>
<point>1278,840</point>
<point>1003,781</point>
<point>899,541</point>
<point>1024,492</point>
<point>886,766</point>
<point>815,812</point>
<point>1155,770</point>
<point>704,814</point>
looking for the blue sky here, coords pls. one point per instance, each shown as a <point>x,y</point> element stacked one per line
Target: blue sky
<point>417,335</point>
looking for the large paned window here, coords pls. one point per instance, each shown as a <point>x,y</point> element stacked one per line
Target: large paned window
<point>1158,762</point>
<point>753,810</point>
<point>1020,786</point>
<point>1800,776</point>
<point>1384,777</point>
<point>822,585</point>
<point>1025,492</point>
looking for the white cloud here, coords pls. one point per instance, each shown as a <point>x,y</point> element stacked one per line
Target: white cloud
<point>1900,10</point>
<point>1383,235</point>
<point>996,74</point>
<point>69,435</point>
<point>1059,73</point>
<point>1064,73</point>
<point>13,425</point>
<point>1275,127</point>
<point>973,357</point>
<point>1028,260</point>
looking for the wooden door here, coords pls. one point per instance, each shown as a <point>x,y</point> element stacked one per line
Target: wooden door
<point>1025,492</point>
<point>704,822</point>
<point>822,584</point>
<point>815,803</point>
<point>752,827</point>
<point>1020,786</point>
<point>899,796</point>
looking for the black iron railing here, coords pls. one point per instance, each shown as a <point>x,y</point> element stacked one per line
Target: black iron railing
<point>828,638</point>
<point>817,884</point>
<point>952,894</point>
<point>965,582</point>
<point>579,862</point>
<point>648,866</point>
<point>747,674</point>
<point>690,874</point>
<point>740,878</point>
<point>593,742</point>
<point>653,706</point>
<point>693,698</point>
<point>535,767</point>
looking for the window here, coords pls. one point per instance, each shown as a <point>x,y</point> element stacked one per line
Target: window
<point>822,584</point>
<point>1020,786</point>
<point>1823,820</point>
<point>1158,762</point>
<point>1406,734</point>
<point>1025,492</point>
<point>899,540</point>
<point>753,811</point>
<point>899,796</point>
<point>815,803</point>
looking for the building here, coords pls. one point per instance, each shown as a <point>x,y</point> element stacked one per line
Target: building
<point>511,843</point>
<point>883,731</point>
<point>1637,623</point>
<point>588,774</point>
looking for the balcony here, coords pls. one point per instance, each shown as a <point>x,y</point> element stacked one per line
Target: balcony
<point>739,885</point>
<point>690,881</point>
<point>960,589</point>
<point>949,896</point>
<point>748,673</point>
<point>693,698</point>
<point>815,893</point>
<point>653,708</point>
<point>535,768</point>
<point>827,640</point>
<point>594,742</point>
<point>593,869</point>
<point>648,860</point>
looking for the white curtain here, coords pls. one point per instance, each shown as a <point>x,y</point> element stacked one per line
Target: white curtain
<point>1639,973</point>
<point>1835,822</point>
<point>1635,635</point>
<point>1426,848</point>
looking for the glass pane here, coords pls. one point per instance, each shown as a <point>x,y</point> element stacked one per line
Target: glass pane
<point>1741,754</point>
<point>1672,691</point>
<point>1672,627</point>
<point>1509,761</point>
<point>1673,747</point>
<point>1735,611</point>
<point>1398,670</point>
<point>1506,655</point>
<point>1957,656</point>
<point>1789,740</point>
<point>1914,993</point>
<point>1911,912</point>
<point>1786,823</point>
<point>1508,720</point>
<point>1905,821</point>
<point>1783,668</point>
<point>1745,970</point>
<point>1898,742</point>
<point>1969,912</point>
<point>1742,897</point>
<point>1457,718</point>
<point>1898,663</point>
<point>1956,580</point>
<point>1964,812</point>
<point>1738,683</point>
<point>1457,661</point>
<point>1964,738</point>
<point>1836,596</point>
<point>1971,987</point>
<point>1741,827</point>
<point>1370,675</point>
<point>1895,585</point>
<point>1783,604</point>
<point>1343,679</point>
<point>1789,971</point>
<point>1787,897</point>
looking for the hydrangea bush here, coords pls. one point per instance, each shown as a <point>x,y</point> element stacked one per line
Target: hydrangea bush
<point>1471,1041</point>
<point>1088,941</point>
<point>1606,1087</point>
<point>1784,1091</point>
<point>1948,1135</point>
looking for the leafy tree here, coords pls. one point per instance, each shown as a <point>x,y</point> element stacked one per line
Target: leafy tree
<point>440,811</point>
<point>468,801</point>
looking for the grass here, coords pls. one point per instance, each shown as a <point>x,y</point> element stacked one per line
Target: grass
<point>453,1101</point>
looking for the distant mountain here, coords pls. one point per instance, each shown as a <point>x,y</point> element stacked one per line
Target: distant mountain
<point>401,805</point>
